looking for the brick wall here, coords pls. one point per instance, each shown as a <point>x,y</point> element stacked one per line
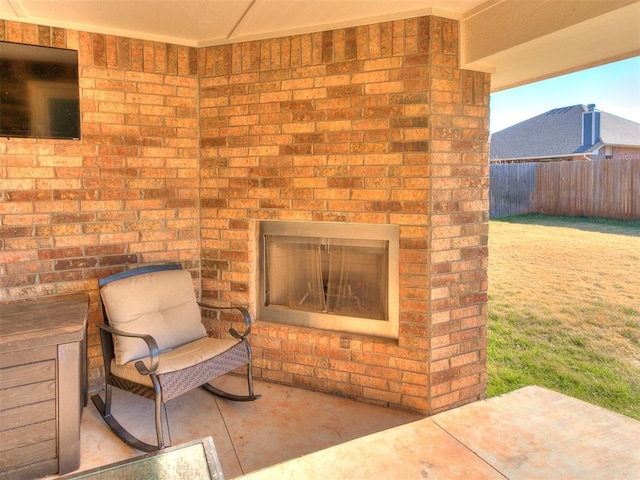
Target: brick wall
<point>127,193</point>
<point>625,153</point>
<point>372,124</point>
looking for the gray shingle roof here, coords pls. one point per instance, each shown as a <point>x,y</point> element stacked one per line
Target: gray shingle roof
<point>619,131</point>
<point>558,133</point>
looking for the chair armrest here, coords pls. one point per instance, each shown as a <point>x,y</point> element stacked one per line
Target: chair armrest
<point>152,345</point>
<point>245,314</point>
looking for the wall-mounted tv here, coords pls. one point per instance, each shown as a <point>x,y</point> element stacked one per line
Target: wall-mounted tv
<point>39,94</point>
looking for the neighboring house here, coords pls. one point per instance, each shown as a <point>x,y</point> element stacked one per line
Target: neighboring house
<point>578,132</point>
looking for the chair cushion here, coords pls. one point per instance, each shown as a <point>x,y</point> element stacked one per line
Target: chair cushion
<point>177,359</point>
<point>161,304</point>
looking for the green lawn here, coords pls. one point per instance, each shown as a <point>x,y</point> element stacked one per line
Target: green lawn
<point>564,308</point>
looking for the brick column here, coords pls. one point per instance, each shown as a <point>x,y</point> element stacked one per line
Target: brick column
<point>458,224</point>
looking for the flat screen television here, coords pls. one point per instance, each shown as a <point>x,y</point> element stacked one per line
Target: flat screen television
<point>39,93</point>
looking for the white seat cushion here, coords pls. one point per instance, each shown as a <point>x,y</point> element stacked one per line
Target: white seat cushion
<point>161,304</point>
<point>177,359</point>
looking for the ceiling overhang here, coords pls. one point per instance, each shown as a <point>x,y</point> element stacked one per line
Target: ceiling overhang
<point>517,41</point>
<point>203,23</point>
<point>521,42</point>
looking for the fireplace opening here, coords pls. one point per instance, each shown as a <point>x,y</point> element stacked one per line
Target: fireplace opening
<point>333,276</point>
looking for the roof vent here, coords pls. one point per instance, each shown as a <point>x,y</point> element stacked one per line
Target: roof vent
<point>591,107</point>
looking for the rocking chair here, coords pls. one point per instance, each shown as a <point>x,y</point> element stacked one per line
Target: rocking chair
<point>155,345</point>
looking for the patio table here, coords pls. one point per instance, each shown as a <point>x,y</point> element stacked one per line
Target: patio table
<point>196,460</point>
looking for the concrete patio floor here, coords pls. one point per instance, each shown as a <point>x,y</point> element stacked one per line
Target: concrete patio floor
<point>290,433</point>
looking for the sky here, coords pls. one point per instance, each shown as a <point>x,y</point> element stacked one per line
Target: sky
<point>614,88</point>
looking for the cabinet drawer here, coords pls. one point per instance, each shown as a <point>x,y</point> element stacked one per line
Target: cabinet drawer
<point>41,455</point>
<point>27,374</point>
<point>27,435</point>
<point>27,394</point>
<point>26,415</point>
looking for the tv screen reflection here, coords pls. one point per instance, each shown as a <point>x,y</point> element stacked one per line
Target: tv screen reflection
<point>39,94</point>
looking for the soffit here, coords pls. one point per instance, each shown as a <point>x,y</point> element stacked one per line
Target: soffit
<point>522,42</point>
<point>201,23</point>
<point>517,41</point>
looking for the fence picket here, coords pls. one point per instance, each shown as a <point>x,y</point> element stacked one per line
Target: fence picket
<point>597,188</point>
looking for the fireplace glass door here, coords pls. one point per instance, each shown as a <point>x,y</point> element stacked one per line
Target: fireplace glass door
<point>339,279</point>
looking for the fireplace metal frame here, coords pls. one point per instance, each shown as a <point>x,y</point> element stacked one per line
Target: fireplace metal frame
<point>387,328</point>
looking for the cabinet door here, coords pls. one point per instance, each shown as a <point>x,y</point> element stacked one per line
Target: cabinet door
<point>28,409</point>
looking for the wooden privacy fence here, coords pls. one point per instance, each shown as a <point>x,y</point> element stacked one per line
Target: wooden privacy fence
<point>584,188</point>
<point>511,188</point>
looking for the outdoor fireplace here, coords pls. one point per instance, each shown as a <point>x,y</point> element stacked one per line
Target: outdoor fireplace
<point>332,276</point>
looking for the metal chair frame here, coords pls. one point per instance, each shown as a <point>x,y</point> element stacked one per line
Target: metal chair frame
<point>235,357</point>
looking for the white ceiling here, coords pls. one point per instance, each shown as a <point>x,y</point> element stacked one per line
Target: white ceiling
<point>518,41</point>
<point>201,23</point>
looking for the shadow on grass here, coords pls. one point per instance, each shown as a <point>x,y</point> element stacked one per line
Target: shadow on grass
<point>602,225</point>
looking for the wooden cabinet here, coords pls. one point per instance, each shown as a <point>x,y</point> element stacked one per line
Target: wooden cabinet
<point>42,385</point>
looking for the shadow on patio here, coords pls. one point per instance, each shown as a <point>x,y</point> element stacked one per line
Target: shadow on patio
<point>532,433</point>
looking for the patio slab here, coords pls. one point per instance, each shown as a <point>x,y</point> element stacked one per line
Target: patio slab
<point>413,451</point>
<point>532,433</point>
<point>535,433</point>
<point>297,434</point>
<point>285,423</point>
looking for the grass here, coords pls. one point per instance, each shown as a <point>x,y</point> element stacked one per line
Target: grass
<point>564,308</point>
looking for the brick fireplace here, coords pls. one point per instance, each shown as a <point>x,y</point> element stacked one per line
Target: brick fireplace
<point>184,152</point>
<point>365,125</point>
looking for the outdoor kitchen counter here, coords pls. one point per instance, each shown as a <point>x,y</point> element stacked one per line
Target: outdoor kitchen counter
<point>42,385</point>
